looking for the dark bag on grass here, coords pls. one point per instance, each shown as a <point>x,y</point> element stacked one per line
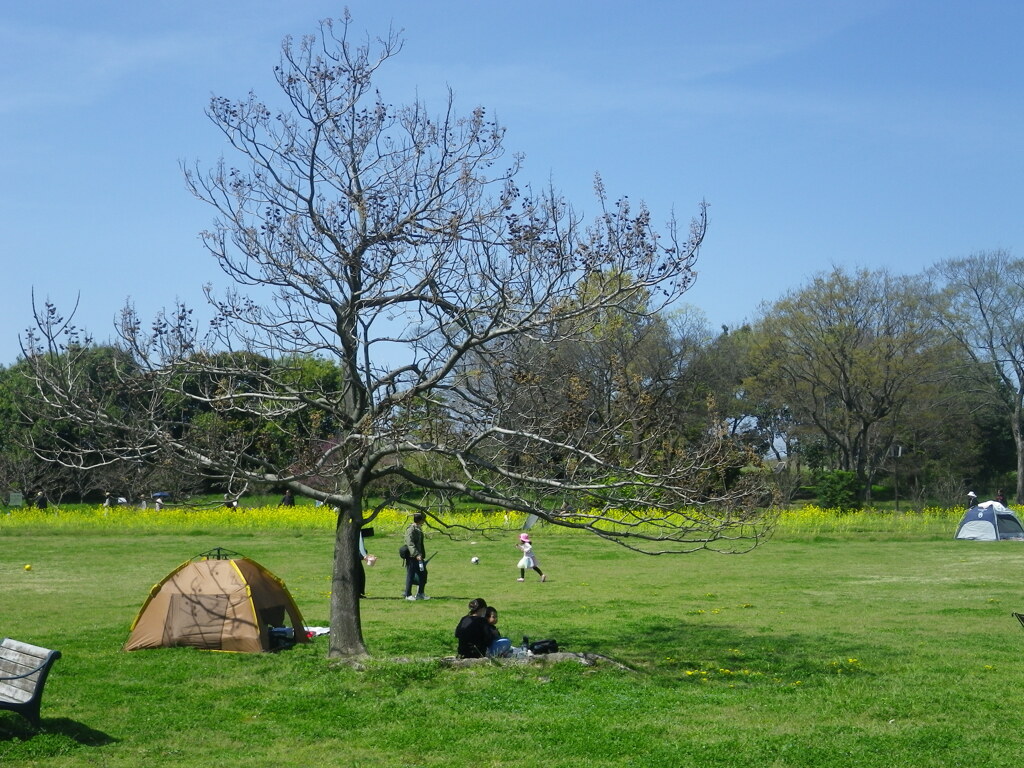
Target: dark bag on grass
<point>544,646</point>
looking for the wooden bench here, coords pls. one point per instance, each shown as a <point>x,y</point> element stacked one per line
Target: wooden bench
<point>23,671</point>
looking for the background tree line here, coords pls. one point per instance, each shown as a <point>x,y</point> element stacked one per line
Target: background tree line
<point>862,372</point>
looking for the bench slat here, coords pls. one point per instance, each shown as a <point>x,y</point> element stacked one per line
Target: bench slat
<point>12,660</point>
<point>17,695</point>
<point>28,683</point>
<point>25,648</point>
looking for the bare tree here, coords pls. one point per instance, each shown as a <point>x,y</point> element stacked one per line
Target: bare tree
<point>980,302</point>
<point>399,247</point>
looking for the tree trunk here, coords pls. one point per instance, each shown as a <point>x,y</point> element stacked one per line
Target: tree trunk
<point>1018,443</point>
<point>346,636</point>
<point>859,453</point>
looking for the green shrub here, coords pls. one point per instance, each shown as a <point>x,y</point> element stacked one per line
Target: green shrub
<point>838,489</point>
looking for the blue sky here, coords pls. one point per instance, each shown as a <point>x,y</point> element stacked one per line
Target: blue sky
<point>874,133</point>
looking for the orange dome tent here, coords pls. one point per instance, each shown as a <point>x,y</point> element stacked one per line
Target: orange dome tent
<point>217,602</point>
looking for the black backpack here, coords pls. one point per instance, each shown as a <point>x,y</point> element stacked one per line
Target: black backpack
<point>544,646</point>
<point>403,552</point>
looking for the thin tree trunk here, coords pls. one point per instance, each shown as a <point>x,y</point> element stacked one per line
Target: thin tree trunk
<point>1018,442</point>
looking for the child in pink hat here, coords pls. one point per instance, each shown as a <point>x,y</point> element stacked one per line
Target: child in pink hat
<point>528,560</point>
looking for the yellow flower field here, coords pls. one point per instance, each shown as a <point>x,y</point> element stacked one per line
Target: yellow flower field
<point>815,520</point>
<point>807,520</point>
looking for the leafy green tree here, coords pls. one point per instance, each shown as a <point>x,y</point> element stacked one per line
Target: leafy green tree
<point>757,415</point>
<point>627,371</point>
<point>208,408</point>
<point>20,469</point>
<point>725,366</point>
<point>846,355</point>
<point>51,457</point>
<point>400,247</point>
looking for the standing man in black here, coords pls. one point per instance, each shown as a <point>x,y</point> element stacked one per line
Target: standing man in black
<point>416,562</point>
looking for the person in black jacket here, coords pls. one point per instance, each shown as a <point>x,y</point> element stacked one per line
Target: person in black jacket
<point>473,631</point>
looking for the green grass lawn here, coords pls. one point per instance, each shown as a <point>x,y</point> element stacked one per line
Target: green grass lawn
<point>856,648</point>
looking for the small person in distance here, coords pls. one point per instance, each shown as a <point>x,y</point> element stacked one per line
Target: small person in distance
<point>529,559</point>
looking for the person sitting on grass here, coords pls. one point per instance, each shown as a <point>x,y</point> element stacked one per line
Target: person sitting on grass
<point>473,631</point>
<point>497,645</point>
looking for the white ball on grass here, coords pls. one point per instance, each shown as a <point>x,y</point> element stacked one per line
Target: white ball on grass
<point>474,560</point>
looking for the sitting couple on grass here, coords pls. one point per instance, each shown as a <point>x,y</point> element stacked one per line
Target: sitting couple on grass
<point>478,633</point>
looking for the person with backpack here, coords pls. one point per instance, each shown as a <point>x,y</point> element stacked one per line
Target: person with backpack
<point>415,559</point>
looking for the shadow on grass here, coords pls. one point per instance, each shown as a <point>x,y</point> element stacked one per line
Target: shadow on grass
<point>681,645</point>
<point>16,728</point>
